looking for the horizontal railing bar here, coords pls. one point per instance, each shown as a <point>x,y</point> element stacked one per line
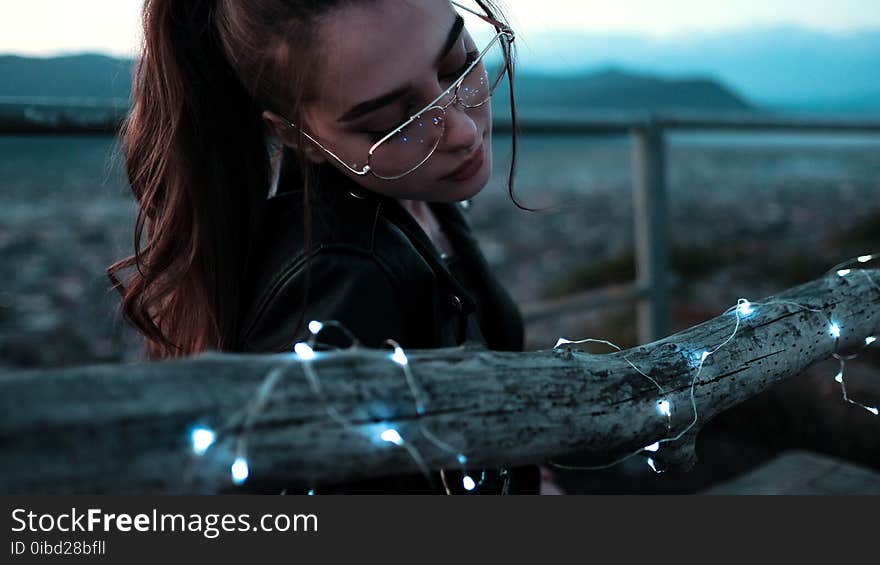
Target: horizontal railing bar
<point>20,128</point>
<point>596,298</point>
<point>14,120</point>
<point>65,101</point>
<point>564,122</point>
<point>771,123</point>
<point>48,116</point>
<point>538,124</point>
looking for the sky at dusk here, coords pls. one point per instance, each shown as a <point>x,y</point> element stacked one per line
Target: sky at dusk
<point>47,27</point>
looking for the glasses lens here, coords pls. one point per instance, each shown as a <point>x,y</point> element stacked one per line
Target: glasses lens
<point>480,84</point>
<point>408,148</point>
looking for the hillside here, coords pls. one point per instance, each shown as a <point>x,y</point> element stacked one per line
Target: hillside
<point>79,76</point>
<point>615,89</point>
<point>98,76</point>
<point>782,66</point>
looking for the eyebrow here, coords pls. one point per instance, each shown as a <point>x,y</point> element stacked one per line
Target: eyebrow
<point>373,104</point>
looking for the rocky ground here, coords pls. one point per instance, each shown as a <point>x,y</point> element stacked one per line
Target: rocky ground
<point>64,217</point>
<point>746,220</point>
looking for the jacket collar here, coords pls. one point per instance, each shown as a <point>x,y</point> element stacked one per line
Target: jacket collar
<point>345,194</point>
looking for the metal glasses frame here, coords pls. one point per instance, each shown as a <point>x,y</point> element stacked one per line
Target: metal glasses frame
<point>505,34</point>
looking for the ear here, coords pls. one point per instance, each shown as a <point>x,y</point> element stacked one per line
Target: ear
<point>289,136</point>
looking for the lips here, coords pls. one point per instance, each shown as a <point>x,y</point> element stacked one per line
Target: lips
<point>469,168</point>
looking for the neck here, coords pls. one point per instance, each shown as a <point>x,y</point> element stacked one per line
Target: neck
<point>421,211</point>
<point>418,208</point>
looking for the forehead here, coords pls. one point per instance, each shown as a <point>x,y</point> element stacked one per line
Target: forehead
<point>367,49</point>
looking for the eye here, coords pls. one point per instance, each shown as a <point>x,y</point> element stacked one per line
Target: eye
<point>470,57</point>
<point>375,136</point>
<point>387,121</point>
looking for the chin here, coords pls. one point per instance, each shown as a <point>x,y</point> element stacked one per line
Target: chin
<point>477,184</point>
<point>469,188</point>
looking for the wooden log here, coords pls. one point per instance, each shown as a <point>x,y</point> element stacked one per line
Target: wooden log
<point>125,428</point>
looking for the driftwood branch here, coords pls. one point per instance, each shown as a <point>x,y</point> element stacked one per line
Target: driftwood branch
<point>124,428</point>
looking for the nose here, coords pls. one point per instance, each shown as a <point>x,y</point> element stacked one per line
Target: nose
<point>461,132</point>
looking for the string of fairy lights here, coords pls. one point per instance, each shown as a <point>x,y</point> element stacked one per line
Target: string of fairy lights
<point>202,438</point>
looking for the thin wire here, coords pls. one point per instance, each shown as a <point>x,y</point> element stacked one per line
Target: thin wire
<point>692,394</point>
<point>663,440</point>
<point>870,279</point>
<point>563,341</point>
<point>417,394</point>
<point>263,392</point>
<point>445,484</point>
<point>841,378</point>
<point>419,398</point>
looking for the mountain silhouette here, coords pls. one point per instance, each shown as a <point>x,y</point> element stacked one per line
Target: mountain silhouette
<point>617,89</point>
<point>75,76</point>
<point>99,77</point>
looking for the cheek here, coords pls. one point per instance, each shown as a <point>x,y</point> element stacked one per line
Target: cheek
<point>487,148</point>
<point>485,113</point>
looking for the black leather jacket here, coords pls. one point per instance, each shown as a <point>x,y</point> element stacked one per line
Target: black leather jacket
<point>374,270</point>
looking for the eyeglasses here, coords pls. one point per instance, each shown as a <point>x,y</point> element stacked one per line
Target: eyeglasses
<point>408,146</point>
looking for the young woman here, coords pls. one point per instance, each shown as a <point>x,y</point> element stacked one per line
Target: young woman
<point>380,110</point>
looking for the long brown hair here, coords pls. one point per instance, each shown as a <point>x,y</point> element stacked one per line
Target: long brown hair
<point>197,158</point>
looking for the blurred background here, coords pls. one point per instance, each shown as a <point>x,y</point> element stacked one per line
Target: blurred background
<point>749,210</point>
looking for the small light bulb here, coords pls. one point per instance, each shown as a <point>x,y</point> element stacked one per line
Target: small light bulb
<point>304,351</point>
<point>839,377</point>
<point>653,447</point>
<point>865,258</point>
<point>870,339</point>
<point>462,459</point>
<point>391,436</point>
<point>664,407</point>
<point>696,359</point>
<point>745,307</point>
<point>240,470</point>
<point>468,483</point>
<point>843,272</point>
<point>834,330</point>
<point>561,341</point>
<point>653,466</point>
<point>311,492</point>
<point>873,410</point>
<point>202,439</point>
<point>315,326</point>
<point>399,356</point>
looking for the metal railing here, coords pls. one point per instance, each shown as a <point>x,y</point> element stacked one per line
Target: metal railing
<point>650,290</point>
<point>61,116</point>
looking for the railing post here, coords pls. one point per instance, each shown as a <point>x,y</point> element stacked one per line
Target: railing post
<point>651,230</point>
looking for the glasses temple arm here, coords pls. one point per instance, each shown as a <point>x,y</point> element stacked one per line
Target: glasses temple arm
<point>359,172</point>
<point>501,26</point>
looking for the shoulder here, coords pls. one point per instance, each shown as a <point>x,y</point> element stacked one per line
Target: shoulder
<point>358,267</point>
<point>344,284</point>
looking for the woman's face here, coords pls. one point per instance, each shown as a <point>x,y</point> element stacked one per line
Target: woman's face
<point>379,63</point>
